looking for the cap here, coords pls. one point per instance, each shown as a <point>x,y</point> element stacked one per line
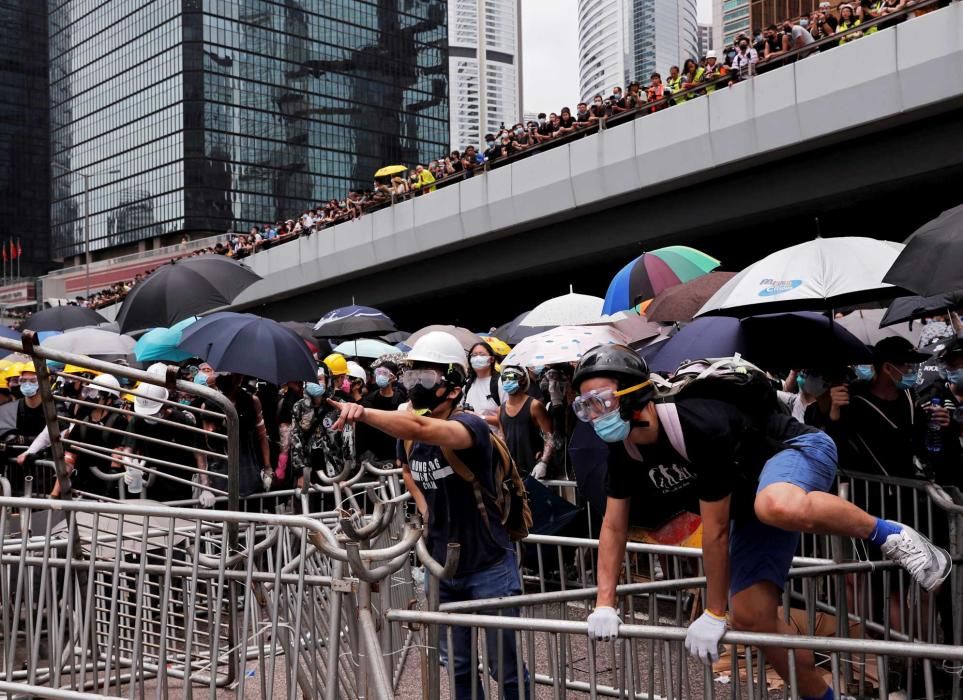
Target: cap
<point>898,350</point>
<point>711,53</point>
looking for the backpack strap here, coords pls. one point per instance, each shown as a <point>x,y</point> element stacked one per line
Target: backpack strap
<point>493,388</point>
<point>669,418</point>
<point>462,470</point>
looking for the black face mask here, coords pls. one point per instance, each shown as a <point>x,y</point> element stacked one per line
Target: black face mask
<point>425,399</point>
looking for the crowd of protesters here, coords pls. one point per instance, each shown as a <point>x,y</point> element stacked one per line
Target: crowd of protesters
<point>750,54</point>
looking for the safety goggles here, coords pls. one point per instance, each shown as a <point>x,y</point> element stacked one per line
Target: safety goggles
<point>596,403</point>
<point>513,375</point>
<point>383,372</point>
<point>427,378</point>
<point>92,394</point>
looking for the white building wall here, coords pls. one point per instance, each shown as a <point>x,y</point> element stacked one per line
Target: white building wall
<point>484,86</point>
<point>602,52</point>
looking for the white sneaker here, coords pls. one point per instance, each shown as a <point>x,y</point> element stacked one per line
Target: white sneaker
<point>928,564</point>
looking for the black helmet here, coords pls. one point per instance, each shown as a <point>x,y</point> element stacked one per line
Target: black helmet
<point>620,363</point>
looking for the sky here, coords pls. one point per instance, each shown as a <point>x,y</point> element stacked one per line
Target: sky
<point>550,52</point>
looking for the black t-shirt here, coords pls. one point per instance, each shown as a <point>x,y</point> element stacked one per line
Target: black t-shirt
<point>452,511</point>
<point>165,489</point>
<point>566,122</point>
<point>583,117</point>
<point>727,451</point>
<point>380,444</point>
<point>30,421</point>
<point>546,129</point>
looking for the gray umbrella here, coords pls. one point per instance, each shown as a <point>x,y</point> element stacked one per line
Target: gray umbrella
<point>864,324</point>
<point>93,342</point>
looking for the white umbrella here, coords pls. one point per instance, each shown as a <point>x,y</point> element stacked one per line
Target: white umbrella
<point>567,310</point>
<point>818,275</point>
<point>864,324</point>
<point>365,347</point>
<point>562,344</point>
<point>93,342</point>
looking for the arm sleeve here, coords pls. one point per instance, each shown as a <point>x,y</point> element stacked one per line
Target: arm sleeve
<point>40,443</point>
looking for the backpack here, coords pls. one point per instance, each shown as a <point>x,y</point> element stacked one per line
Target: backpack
<point>729,379</point>
<point>492,388</point>
<point>511,499</point>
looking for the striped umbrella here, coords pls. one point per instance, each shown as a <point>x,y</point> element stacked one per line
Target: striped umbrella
<point>652,272</point>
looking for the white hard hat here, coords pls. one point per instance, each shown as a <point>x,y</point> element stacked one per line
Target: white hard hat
<point>711,53</point>
<point>357,371</point>
<point>439,348</point>
<point>108,382</point>
<point>158,369</point>
<point>149,403</point>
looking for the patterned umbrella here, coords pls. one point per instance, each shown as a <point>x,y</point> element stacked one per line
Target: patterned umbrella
<point>650,273</point>
<point>562,344</point>
<point>351,321</point>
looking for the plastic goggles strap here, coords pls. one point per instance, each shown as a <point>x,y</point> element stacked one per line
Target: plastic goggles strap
<point>623,392</point>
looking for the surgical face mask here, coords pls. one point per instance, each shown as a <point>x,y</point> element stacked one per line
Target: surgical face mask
<point>905,380</point>
<point>29,389</point>
<point>864,373</point>
<point>200,378</point>
<point>313,390</point>
<point>480,361</point>
<point>346,385</point>
<point>955,376</point>
<point>814,385</point>
<point>510,386</point>
<point>611,427</point>
<point>382,380</point>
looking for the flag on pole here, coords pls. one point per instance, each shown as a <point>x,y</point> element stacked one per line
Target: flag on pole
<point>19,248</point>
<point>13,250</point>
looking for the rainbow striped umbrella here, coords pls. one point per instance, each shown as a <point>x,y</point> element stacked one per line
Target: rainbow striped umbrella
<point>652,272</point>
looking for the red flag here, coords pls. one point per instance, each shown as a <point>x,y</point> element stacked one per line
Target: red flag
<point>13,250</point>
<point>19,248</point>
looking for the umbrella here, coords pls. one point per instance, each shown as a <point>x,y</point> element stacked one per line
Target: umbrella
<point>464,336</point>
<point>93,342</point>
<point>911,308</point>
<point>353,320</point>
<point>567,310</point>
<point>250,345</point>
<point>819,275</point>
<point>499,346</point>
<point>865,325</point>
<point>932,261</point>
<point>61,318</point>
<point>183,288</point>
<point>303,329</point>
<point>513,332</point>
<point>817,342</point>
<point>651,273</point>
<point>161,343</point>
<point>396,337</point>
<point>562,344</point>
<point>365,347</point>
<point>390,170</point>
<point>683,301</point>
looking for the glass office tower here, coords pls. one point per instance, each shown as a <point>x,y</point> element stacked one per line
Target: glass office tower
<point>224,114</point>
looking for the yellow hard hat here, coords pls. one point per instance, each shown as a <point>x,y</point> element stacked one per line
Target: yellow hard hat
<point>26,367</point>
<point>336,364</point>
<point>499,346</point>
<point>76,369</point>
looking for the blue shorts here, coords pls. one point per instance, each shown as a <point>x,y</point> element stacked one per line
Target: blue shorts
<point>759,552</point>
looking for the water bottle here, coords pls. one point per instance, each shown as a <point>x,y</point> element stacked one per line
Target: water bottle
<point>934,431</point>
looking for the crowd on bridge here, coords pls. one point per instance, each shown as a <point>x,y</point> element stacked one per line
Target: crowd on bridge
<point>748,55</point>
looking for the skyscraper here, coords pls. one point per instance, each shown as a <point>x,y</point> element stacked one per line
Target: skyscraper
<point>226,114</point>
<point>730,19</point>
<point>24,133</point>
<point>485,85</point>
<point>706,39</point>
<point>623,40</point>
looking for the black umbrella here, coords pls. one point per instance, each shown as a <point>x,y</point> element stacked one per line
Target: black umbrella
<point>61,318</point>
<point>250,345</point>
<point>906,309</point>
<point>304,329</point>
<point>353,321</point>
<point>932,261</point>
<point>514,332</point>
<point>183,288</point>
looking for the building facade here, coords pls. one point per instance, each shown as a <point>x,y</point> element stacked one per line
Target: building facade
<point>24,144</point>
<point>625,40</point>
<point>706,39</point>
<point>485,76</point>
<point>198,116</point>
<point>731,18</point>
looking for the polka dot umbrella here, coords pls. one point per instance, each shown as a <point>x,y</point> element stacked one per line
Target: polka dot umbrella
<point>562,344</point>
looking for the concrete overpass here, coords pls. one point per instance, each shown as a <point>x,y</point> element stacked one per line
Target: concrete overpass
<point>844,135</point>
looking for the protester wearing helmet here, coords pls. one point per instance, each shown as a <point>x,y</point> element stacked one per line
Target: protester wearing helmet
<point>388,397</point>
<point>338,370</point>
<point>525,423</point>
<point>357,382</point>
<point>763,478</point>
<point>153,440</point>
<point>307,427</point>
<point>945,463</point>
<point>431,431</point>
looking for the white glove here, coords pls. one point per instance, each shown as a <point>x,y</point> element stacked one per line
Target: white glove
<point>603,624</point>
<point>702,637</point>
<point>206,499</point>
<point>133,475</point>
<point>540,470</point>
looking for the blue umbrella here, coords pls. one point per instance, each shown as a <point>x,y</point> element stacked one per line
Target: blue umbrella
<point>161,343</point>
<point>250,345</point>
<point>365,347</point>
<point>350,321</point>
<point>797,339</point>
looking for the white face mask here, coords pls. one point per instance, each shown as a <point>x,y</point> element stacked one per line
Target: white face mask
<point>480,361</point>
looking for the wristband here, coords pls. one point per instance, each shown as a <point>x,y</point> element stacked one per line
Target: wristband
<point>714,616</point>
